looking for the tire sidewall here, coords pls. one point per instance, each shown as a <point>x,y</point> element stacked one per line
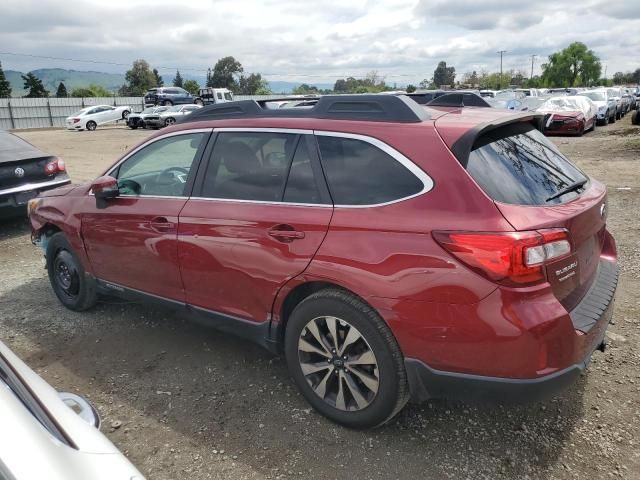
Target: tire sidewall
<point>91,125</point>
<point>384,404</point>
<point>59,246</point>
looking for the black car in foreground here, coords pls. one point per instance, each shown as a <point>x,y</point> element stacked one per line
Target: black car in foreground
<point>25,171</point>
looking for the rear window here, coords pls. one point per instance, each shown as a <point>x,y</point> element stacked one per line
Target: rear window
<point>518,165</point>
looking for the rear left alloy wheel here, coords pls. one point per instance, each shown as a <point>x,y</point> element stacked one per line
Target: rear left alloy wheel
<point>345,360</point>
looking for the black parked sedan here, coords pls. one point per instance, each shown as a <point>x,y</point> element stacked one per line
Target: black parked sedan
<point>25,171</point>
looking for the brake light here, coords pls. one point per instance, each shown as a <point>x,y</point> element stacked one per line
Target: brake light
<point>54,166</point>
<point>507,258</point>
<point>75,120</point>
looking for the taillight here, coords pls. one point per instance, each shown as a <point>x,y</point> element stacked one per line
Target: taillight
<point>75,120</point>
<point>507,258</point>
<point>54,166</point>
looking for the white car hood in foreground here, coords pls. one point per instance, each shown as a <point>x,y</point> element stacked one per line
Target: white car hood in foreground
<point>29,451</point>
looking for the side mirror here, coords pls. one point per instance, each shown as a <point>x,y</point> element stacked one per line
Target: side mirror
<point>104,188</point>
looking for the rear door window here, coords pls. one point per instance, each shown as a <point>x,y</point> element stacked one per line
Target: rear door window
<point>518,165</point>
<point>359,173</point>
<point>249,166</point>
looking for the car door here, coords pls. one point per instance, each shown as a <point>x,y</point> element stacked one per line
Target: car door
<point>259,212</point>
<point>133,241</point>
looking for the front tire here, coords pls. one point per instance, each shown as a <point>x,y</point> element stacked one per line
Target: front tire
<point>169,121</point>
<point>74,289</point>
<point>167,103</point>
<point>91,125</point>
<point>199,101</point>
<point>345,360</point>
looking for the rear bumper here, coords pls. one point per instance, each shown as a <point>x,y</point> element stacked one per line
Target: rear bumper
<point>19,196</point>
<point>590,319</point>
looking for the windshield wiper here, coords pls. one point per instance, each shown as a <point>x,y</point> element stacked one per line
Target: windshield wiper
<point>569,188</point>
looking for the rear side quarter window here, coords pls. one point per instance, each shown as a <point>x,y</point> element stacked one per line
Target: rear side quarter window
<point>360,173</point>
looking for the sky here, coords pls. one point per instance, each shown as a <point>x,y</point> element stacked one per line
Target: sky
<point>315,42</point>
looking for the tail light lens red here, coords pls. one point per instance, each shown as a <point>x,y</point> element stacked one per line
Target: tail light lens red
<point>54,166</point>
<point>508,258</point>
<point>75,120</point>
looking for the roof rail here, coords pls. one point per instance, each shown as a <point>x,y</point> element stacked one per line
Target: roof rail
<point>459,100</point>
<point>371,108</point>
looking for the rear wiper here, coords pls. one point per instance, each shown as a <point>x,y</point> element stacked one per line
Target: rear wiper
<point>567,189</point>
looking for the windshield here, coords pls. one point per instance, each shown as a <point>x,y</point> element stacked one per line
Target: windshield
<point>595,96</point>
<point>518,165</point>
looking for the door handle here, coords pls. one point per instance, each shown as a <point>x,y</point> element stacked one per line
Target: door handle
<point>162,225</point>
<point>285,233</point>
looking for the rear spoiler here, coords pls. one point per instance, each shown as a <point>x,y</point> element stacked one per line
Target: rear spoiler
<point>462,147</point>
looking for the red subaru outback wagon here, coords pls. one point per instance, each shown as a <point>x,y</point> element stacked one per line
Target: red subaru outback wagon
<point>390,250</point>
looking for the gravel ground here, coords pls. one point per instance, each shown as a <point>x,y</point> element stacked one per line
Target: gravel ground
<point>183,401</point>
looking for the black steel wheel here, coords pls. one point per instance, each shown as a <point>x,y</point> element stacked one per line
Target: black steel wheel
<point>72,286</point>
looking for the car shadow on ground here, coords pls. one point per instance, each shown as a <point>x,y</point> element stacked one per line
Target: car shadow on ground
<point>14,226</point>
<point>222,392</point>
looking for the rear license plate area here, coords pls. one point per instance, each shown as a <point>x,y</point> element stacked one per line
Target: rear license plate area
<point>23,197</point>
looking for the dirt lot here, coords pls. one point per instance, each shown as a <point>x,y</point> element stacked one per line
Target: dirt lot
<point>197,404</point>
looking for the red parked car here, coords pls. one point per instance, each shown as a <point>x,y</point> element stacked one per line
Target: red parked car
<point>389,249</point>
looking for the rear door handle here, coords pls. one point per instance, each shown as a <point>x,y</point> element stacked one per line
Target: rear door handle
<point>285,233</point>
<point>162,225</point>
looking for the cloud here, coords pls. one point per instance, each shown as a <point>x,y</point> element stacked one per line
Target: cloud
<point>291,40</point>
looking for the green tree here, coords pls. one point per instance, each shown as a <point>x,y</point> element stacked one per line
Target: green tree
<point>5,86</point>
<point>92,90</point>
<point>444,75</point>
<point>410,88</point>
<point>635,76</point>
<point>494,80</point>
<point>252,84</point>
<point>158,78</point>
<point>372,83</point>
<point>177,81</point>
<point>224,74</point>
<point>61,92</point>
<point>34,85</point>
<point>306,89</point>
<point>139,79</point>
<point>574,66</point>
<point>191,86</point>
<point>80,92</point>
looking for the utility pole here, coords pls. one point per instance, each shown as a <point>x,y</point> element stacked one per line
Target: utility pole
<point>501,52</point>
<point>533,57</point>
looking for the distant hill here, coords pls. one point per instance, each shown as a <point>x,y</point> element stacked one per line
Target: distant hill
<point>51,77</point>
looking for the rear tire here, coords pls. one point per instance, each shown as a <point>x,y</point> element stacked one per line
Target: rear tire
<point>167,103</point>
<point>74,288</point>
<point>91,125</point>
<point>199,101</point>
<point>125,114</point>
<point>635,117</point>
<point>359,383</point>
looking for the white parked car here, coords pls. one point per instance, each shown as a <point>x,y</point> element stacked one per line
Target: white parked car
<point>90,117</point>
<point>169,116</point>
<point>49,435</point>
